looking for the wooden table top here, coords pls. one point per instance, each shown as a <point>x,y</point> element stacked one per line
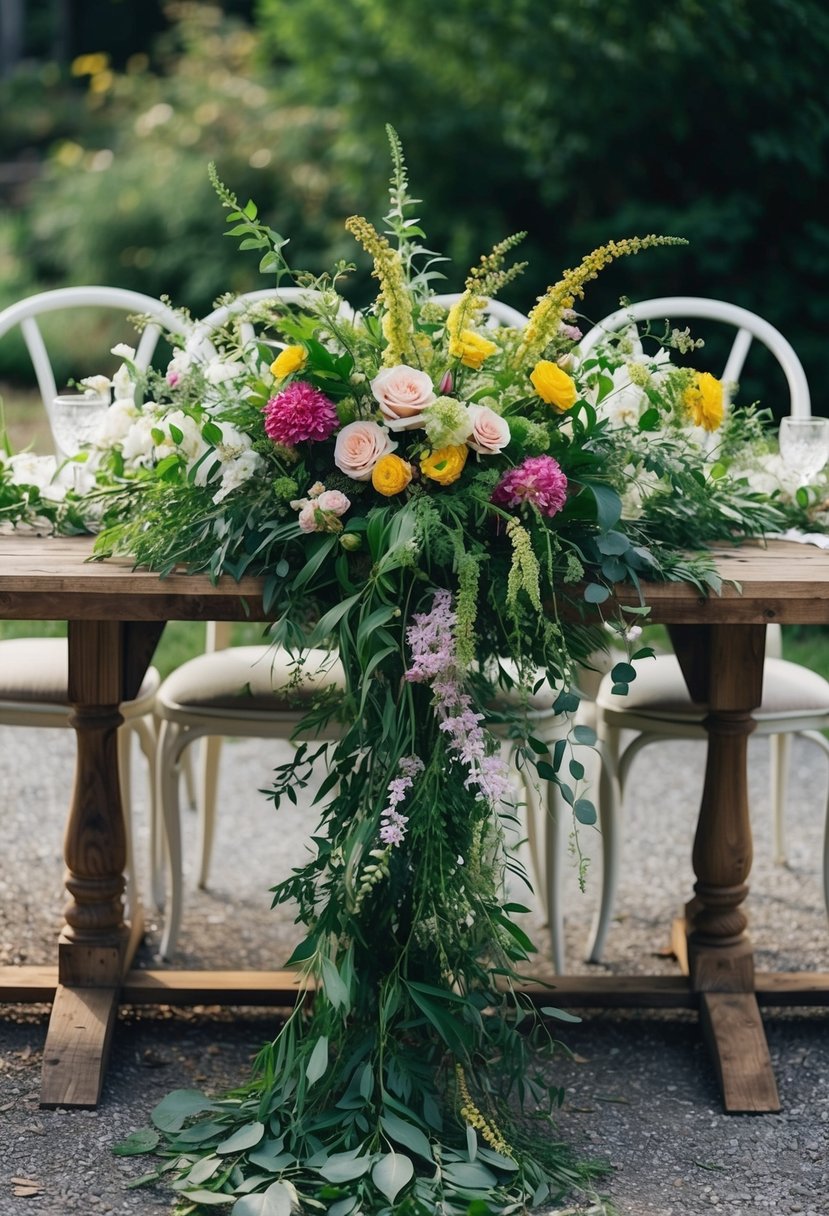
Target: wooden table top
<point>51,578</point>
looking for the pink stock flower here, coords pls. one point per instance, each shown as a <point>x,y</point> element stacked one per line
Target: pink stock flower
<point>537,480</point>
<point>299,412</point>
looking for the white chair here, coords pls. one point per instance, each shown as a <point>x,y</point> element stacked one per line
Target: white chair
<point>795,700</point>
<point>34,671</point>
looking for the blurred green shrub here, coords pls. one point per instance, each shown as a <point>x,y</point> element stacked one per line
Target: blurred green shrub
<point>125,199</point>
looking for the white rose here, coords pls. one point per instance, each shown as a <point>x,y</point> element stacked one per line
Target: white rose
<point>117,421</point>
<point>28,469</point>
<point>358,448</point>
<point>218,371</point>
<point>490,432</point>
<point>403,393</point>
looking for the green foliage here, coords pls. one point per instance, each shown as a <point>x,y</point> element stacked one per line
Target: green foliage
<point>581,121</point>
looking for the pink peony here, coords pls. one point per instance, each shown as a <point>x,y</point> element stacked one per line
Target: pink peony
<point>537,480</point>
<point>334,501</point>
<point>300,412</point>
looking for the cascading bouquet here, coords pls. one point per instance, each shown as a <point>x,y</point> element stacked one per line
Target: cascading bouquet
<point>444,504</point>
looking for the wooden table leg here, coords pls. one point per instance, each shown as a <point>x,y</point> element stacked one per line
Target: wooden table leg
<point>95,946</point>
<point>726,669</point>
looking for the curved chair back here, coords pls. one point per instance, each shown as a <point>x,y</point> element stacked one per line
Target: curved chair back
<point>747,324</point>
<point>67,299</point>
<point>200,342</point>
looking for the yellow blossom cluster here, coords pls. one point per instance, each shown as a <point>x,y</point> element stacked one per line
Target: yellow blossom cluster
<point>398,328</point>
<point>545,318</point>
<point>470,1112</point>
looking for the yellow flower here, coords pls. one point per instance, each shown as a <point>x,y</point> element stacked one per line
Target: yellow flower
<point>554,385</point>
<point>391,475</point>
<point>445,465</point>
<point>471,348</point>
<point>704,401</point>
<point>288,360</point>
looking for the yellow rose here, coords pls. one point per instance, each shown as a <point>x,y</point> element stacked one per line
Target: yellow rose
<point>554,385</point>
<point>471,348</point>
<point>391,475</point>
<point>445,465</point>
<point>288,360</point>
<point>704,401</point>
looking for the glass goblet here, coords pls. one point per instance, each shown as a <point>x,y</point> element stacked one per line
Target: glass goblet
<point>76,419</point>
<point>804,445</point>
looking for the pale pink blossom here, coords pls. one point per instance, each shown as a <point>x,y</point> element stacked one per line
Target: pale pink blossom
<point>403,394</point>
<point>358,448</point>
<point>334,501</point>
<point>490,432</point>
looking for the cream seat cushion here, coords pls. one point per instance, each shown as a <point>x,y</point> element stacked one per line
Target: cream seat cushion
<point>254,678</point>
<point>789,691</point>
<point>36,671</point>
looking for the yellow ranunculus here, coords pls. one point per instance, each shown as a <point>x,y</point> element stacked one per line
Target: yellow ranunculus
<point>704,401</point>
<point>554,385</point>
<point>391,475</point>
<point>288,360</point>
<point>445,465</point>
<point>471,348</point>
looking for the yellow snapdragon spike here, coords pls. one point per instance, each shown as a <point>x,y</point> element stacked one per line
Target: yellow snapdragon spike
<point>397,323</point>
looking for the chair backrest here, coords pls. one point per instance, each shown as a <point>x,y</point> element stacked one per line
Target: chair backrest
<point>67,299</point>
<point>200,343</point>
<point>497,313</point>
<point>747,324</point>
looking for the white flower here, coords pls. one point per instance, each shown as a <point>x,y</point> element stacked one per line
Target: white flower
<point>218,371</point>
<point>97,384</point>
<point>117,421</point>
<point>123,351</point>
<point>138,444</point>
<point>236,472</point>
<point>123,387</point>
<point>30,470</point>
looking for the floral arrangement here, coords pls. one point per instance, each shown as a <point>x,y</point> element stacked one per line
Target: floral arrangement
<point>445,503</point>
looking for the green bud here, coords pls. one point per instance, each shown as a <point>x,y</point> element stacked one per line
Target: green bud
<point>351,541</point>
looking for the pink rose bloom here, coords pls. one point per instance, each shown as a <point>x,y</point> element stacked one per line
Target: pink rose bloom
<point>334,501</point>
<point>358,448</point>
<point>307,518</point>
<point>403,393</point>
<point>490,432</point>
<point>538,480</point>
<point>299,412</point>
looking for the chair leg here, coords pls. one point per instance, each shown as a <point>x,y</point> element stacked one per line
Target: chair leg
<point>171,743</point>
<point>124,746</point>
<point>189,779</point>
<point>610,805</point>
<point>146,734</point>
<point>557,818</point>
<point>211,750</point>
<point>779,752</point>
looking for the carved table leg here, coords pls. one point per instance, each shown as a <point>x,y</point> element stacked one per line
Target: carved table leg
<point>95,945</point>
<point>726,670</point>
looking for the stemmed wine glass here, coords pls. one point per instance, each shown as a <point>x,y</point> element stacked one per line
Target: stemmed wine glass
<point>76,418</point>
<point>804,445</point>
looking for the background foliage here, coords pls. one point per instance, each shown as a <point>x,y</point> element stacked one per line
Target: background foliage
<point>706,118</point>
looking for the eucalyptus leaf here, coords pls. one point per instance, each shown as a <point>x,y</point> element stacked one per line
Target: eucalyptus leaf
<point>176,1107</point>
<point>407,1134</point>
<point>143,1141</point>
<point>277,1200</point>
<point>342,1167</point>
<point>318,1062</point>
<point>391,1173</point>
<point>246,1137</point>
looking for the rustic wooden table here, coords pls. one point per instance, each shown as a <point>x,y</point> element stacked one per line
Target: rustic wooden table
<point>116,616</point>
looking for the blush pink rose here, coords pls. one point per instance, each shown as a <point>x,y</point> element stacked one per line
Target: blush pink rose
<point>403,394</point>
<point>334,501</point>
<point>358,448</point>
<point>490,432</point>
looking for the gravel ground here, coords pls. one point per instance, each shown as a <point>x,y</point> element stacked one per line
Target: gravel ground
<point>641,1092</point>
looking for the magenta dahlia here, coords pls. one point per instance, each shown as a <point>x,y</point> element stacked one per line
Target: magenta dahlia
<point>300,412</point>
<point>537,480</point>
